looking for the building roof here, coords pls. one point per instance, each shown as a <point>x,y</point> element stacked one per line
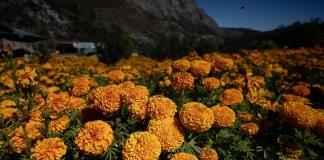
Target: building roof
<point>14,34</point>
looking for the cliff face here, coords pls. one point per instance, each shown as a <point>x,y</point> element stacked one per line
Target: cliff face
<point>81,19</point>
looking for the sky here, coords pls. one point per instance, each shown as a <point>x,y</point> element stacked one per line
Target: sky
<point>261,15</point>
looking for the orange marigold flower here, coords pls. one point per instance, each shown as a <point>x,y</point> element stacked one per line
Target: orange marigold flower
<point>116,75</point>
<point>138,94</point>
<point>142,145</point>
<point>211,83</point>
<point>58,102</point>
<point>180,65</point>
<point>19,140</point>
<point>76,104</point>
<point>231,96</point>
<point>138,110</point>
<point>182,80</point>
<point>160,107</point>
<point>208,153</point>
<point>169,133</point>
<point>222,64</point>
<point>199,68</point>
<point>298,114</point>
<point>224,116</point>
<point>106,99</point>
<point>50,148</point>
<point>245,116</point>
<point>26,76</point>
<point>196,117</point>
<point>300,90</point>
<point>33,129</point>
<point>36,116</point>
<point>294,98</point>
<point>127,85</point>
<point>94,138</point>
<point>80,86</point>
<point>59,124</point>
<point>249,129</point>
<point>183,156</point>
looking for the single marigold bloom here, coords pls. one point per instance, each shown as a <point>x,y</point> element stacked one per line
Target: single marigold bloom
<point>116,75</point>
<point>249,129</point>
<point>80,86</point>
<point>182,80</point>
<point>245,116</point>
<point>142,145</point>
<point>231,96</point>
<point>180,65</point>
<point>298,114</point>
<point>59,124</point>
<point>36,115</point>
<point>183,156</point>
<point>196,117</point>
<point>199,68</point>
<point>208,153</point>
<point>160,107</point>
<point>138,94</point>
<point>19,140</point>
<point>106,99</point>
<point>169,133</point>
<point>33,129</point>
<point>8,113</point>
<point>300,90</point>
<point>223,64</point>
<point>293,98</point>
<point>94,138</point>
<point>224,116</point>
<point>26,76</point>
<point>127,85</point>
<point>211,83</point>
<point>76,103</point>
<point>50,148</point>
<point>138,110</point>
<point>58,102</point>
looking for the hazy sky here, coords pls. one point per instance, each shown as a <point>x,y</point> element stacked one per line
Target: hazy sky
<point>262,14</point>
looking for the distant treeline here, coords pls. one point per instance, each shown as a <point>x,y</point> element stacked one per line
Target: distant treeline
<point>116,43</point>
<point>296,35</point>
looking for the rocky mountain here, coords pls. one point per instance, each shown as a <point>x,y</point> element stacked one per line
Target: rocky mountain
<point>84,19</point>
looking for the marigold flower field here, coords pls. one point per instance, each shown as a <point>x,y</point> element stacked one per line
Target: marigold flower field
<point>246,105</point>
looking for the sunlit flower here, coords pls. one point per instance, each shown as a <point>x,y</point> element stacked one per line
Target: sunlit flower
<point>180,65</point>
<point>26,76</point>
<point>298,114</point>
<point>160,107</point>
<point>169,133</point>
<point>80,86</point>
<point>183,156</point>
<point>208,153</point>
<point>142,145</point>
<point>199,68</point>
<point>50,148</point>
<point>249,129</point>
<point>116,75</point>
<point>94,138</point>
<point>59,124</point>
<point>245,116</point>
<point>211,83</point>
<point>224,116</point>
<point>138,94</point>
<point>106,99</point>
<point>293,98</point>
<point>19,140</point>
<point>182,80</point>
<point>138,110</point>
<point>58,102</point>
<point>33,129</point>
<point>222,64</point>
<point>231,96</point>
<point>196,117</point>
